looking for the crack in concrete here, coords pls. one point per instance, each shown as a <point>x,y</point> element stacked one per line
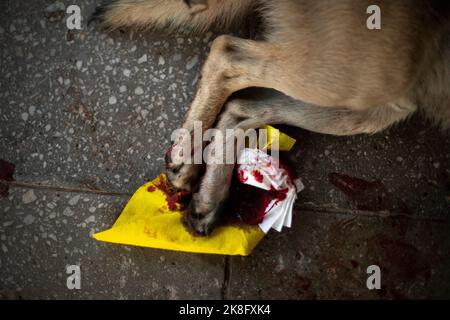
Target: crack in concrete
<point>28,185</point>
<point>227,262</point>
<point>331,209</point>
<point>226,278</point>
<point>327,208</point>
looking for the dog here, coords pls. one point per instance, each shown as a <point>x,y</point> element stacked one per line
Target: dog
<point>317,66</point>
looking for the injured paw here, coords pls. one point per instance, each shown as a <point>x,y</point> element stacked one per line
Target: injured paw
<point>180,175</point>
<point>202,218</point>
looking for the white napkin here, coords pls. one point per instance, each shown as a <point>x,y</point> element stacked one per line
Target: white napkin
<point>258,169</point>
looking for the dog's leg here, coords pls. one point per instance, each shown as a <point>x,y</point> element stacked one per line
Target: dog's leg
<point>267,107</point>
<point>233,64</point>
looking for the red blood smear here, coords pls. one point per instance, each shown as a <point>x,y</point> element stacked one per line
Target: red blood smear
<point>409,262</point>
<point>6,174</point>
<point>258,176</point>
<point>365,195</point>
<point>242,176</point>
<point>168,157</point>
<point>368,195</point>
<point>6,170</point>
<point>174,199</point>
<point>248,204</point>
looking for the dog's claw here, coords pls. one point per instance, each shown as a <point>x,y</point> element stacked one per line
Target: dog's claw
<point>202,223</point>
<point>180,175</point>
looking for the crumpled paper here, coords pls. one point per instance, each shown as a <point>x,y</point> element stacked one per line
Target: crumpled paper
<point>153,218</point>
<point>262,171</point>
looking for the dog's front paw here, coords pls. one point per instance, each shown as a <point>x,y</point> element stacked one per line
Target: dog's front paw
<point>201,218</point>
<point>182,177</point>
<point>181,174</point>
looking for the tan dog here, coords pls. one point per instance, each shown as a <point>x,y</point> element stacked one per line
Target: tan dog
<point>330,73</point>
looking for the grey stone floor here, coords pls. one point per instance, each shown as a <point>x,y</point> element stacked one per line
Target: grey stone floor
<point>86,119</point>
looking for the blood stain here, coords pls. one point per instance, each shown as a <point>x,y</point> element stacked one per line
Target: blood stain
<point>175,200</point>
<point>6,174</point>
<point>258,176</point>
<point>242,176</point>
<point>368,195</point>
<point>248,204</point>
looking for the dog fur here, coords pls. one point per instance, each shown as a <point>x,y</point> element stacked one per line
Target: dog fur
<point>322,68</point>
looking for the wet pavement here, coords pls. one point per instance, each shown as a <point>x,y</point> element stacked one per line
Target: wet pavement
<point>86,117</point>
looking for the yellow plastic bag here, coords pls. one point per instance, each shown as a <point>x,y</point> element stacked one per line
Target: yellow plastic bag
<point>152,219</point>
<point>147,221</point>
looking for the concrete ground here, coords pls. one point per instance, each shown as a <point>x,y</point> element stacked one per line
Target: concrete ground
<point>86,118</point>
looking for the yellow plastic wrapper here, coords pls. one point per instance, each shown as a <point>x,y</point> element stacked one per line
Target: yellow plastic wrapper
<point>285,142</point>
<point>153,218</point>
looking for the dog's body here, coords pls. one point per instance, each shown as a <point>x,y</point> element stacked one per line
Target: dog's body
<point>331,73</point>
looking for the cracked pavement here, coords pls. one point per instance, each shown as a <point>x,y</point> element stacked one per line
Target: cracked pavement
<point>86,118</point>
